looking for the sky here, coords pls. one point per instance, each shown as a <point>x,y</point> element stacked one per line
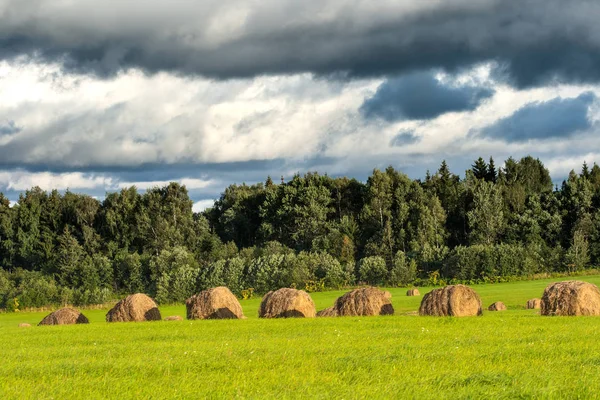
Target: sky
<point>100,95</point>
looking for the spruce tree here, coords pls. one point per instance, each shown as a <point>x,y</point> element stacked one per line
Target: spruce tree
<point>480,169</point>
<point>585,171</point>
<point>491,173</point>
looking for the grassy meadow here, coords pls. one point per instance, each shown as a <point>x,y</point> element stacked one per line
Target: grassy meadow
<point>511,354</point>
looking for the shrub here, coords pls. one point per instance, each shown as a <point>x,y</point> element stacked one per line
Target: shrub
<point>127,269</point>
<point>233,275</point>
<point>577,257</point>
<point>182,284</point>
<point>404,271</point>
<point>104,270</point>
<point>7,289</point>
<point>229,273</point>
<point>174,274</point>
<point>373,270</point>
<point>269,272</point>
<point>330,270</point>
<point>84,297</point>
<point>486,261</point>
<point>34,289</point>
<point>212,275</point>
<point>321,266</point>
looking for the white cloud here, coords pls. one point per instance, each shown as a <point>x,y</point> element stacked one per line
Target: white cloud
<point>190,184</point>
<point>561,166</point>
<point>202,205</point>
<point>134,119</point>
<point>20,180</point>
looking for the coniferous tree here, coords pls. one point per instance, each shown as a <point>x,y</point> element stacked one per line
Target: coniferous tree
<point>480,169</point>
<point>492,174</point>
<point>585,171</point>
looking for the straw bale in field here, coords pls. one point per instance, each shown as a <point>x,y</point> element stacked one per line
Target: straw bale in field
<point>413,292</point>
<point>534,304</point>
<point>134,308</point>
<point>571,298</point>
<point>497,306</point>
<point>24,325</point>
<point>287,303</point>
<point>363,302</point>
<point>65,316</point>
<point>453,301</point>
<point>216,303</point>
<point>328,312</point>
<point>173,318</point>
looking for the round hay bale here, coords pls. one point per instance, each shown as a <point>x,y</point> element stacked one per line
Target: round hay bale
<point>287,303</point>
<point>134,308</point>
<point>174,318</point>
<point>413,292</point>
<point>216,303</point>
<point>24,325</point>
<point>534,304</point>
<point>497,306</point>
<point>65,316</point>
<point>364,302</point>
<point>451,301</point>
<point>571,298</point>
<point>328,312</point>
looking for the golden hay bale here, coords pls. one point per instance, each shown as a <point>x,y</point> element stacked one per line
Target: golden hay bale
<point>534,304</point>
<point>571,298</point>
<point>216,303</point>
<point>328,312</point>
<point>24,325</point>
<point>134,308</point>
<point>65,316</point>
<point>497,306</point>
<point>453,301</point>
<point>413,292</point>
<point>364,302</point>
<point>287,303</point>
<point>174,318</point>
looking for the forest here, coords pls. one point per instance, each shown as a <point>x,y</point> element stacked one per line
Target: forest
<point>312,232</point>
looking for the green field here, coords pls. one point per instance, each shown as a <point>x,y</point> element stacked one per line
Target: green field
<point>512,354</point>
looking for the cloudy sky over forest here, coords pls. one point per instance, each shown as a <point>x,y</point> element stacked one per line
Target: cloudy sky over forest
<point>99,95</point>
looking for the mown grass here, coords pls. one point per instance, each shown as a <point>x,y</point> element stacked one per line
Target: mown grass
<point>512,354</point>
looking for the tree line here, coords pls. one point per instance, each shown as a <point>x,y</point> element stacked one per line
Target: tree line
<point>312,232</point>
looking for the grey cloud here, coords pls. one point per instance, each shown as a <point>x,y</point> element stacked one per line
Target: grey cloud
<point>220,174</point>
<point>247,124</point>
<point>114,136</point>
<point>556,118</point>
<point>404,138</point>
<point>9,128</point>
<point>533,41</point>
<point>421,96</point>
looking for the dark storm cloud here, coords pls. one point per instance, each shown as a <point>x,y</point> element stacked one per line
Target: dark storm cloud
<point>533,41</point>
<point>556,118</point>
<point>421,96</point>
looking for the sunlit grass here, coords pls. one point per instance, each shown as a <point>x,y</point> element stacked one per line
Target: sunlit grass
<point>512,354</point>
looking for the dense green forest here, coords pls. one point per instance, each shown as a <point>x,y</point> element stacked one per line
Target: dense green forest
<point>312,232</point>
